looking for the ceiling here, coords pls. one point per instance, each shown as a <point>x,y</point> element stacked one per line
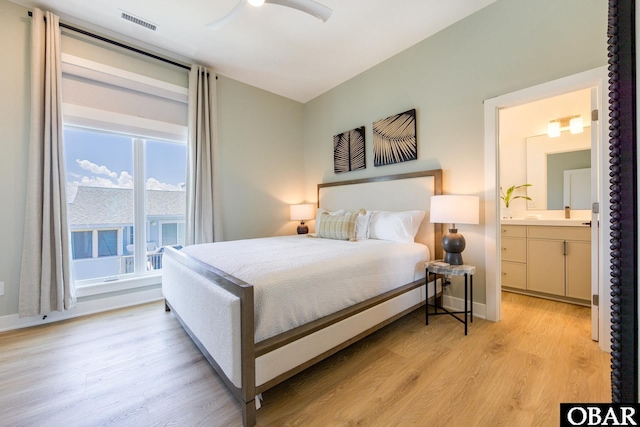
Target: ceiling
<point>275,48</point>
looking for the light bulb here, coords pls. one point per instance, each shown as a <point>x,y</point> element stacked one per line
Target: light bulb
<point>575,125</point>
<point>553,129</point>
<point>256,3</point>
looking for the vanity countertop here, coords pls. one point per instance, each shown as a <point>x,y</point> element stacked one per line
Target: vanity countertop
<point>571,222</point>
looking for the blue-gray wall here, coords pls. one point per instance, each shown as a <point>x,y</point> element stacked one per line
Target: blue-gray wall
<point>509,45</point>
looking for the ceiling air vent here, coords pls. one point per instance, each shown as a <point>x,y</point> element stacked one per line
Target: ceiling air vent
<point>136,20</point>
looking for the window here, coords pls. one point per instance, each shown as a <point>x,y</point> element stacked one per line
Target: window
<point>172,233</point>
<point>81,244</point>
<point>125,152</point>
<point>107,243</point>
<point>121,190</point>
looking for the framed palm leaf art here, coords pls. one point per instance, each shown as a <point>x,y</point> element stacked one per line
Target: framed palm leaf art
<point>348,151</point>
<point>394,139</point>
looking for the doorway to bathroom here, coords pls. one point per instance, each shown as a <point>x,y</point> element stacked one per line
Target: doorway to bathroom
<point>518,149</point>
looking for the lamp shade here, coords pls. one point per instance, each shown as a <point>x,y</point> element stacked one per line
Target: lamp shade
<point>454,209</point>
<point>302,212</point>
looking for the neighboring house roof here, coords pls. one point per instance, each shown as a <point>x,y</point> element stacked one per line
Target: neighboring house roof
<point>114,206</point>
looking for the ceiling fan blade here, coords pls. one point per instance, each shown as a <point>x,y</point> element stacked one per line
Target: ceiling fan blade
<point>219,23</point>
<point>311,7</point>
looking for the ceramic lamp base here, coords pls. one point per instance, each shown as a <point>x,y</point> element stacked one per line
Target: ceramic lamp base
<point>453,244</point>
<point>302,228</point>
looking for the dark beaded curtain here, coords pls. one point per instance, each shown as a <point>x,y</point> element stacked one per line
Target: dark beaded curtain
<point>623,197</point>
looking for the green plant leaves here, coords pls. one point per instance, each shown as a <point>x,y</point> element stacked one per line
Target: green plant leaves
<point>508,197</point>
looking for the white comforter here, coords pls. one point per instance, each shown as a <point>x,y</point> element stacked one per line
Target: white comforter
<point>298,279</point>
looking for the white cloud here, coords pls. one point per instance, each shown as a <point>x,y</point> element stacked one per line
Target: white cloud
<point>154,184</point>
<point>125,180</point>
<point>98,170</point>
<point>109,179</point>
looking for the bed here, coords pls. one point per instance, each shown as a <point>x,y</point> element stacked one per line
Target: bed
<point>236,312</point>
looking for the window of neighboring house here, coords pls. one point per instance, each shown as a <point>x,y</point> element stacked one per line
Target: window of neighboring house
<point>107,243</point>
<point>81,244</point>
<point>172,233</point>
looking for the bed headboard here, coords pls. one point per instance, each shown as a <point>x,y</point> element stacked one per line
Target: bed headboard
<point>403,192</point>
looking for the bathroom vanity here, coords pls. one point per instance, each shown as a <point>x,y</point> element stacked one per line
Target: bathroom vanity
<point>547,258</point>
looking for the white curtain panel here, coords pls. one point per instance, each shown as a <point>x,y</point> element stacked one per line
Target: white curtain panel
<point>46,284</point>
<point>203,223</point>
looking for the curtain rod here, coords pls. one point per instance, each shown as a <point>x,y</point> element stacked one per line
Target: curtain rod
<point>124,46</point>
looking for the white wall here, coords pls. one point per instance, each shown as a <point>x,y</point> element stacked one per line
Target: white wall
<point>509,45</point>
<point>524,121</point>
<point>261,160</point>
<point>14,128</point>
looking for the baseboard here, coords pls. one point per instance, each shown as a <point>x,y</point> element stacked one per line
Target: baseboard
<point>457,304</point>
<point>83,308</point>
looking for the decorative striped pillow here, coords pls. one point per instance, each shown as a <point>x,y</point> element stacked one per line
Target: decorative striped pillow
<point>338,227</point>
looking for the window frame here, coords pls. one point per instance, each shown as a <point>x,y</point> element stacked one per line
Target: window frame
<point>141,276</point>
<point>139,129</point>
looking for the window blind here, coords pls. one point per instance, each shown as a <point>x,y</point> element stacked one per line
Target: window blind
<point>109,98</point>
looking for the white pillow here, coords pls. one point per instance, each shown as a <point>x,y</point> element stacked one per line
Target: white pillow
<point>320,211</point>
<point>362,224</point>
<point>395,226</point>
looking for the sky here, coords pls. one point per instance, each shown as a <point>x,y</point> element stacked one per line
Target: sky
<point>106,160</point>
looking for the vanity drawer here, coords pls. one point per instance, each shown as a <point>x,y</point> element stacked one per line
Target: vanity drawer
<point>513,249</point>
<point>560,233</point>
<point>514,275</point>
<point>513,231</point>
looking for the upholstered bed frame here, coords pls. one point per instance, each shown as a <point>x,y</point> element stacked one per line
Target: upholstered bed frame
<point>201,296</point>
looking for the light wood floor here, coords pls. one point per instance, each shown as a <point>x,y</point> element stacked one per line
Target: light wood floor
<point>137,367</point>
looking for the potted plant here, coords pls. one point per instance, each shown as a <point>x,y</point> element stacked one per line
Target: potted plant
<point>509,196</point>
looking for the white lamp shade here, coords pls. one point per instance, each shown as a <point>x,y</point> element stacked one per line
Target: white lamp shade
<point>302,212</point>
<point>454,209</point>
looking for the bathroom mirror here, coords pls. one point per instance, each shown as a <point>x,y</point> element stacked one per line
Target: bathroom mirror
<point>558,170</point>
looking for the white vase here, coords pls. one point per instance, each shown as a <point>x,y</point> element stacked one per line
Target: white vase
<point>505,213</point>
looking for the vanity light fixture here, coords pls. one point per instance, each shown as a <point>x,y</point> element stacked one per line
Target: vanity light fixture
<point>553,129</point>
<point>572,123</point>
<point>575,125</point>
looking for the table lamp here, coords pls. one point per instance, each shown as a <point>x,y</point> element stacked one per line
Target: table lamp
<point>301,213</point>
<point>454,209</point>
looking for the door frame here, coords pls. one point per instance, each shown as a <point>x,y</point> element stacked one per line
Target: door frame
<point>598,78</point>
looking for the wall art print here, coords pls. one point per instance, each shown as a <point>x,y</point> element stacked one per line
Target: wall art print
<point>348,151</point>
<point>394,139</point>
